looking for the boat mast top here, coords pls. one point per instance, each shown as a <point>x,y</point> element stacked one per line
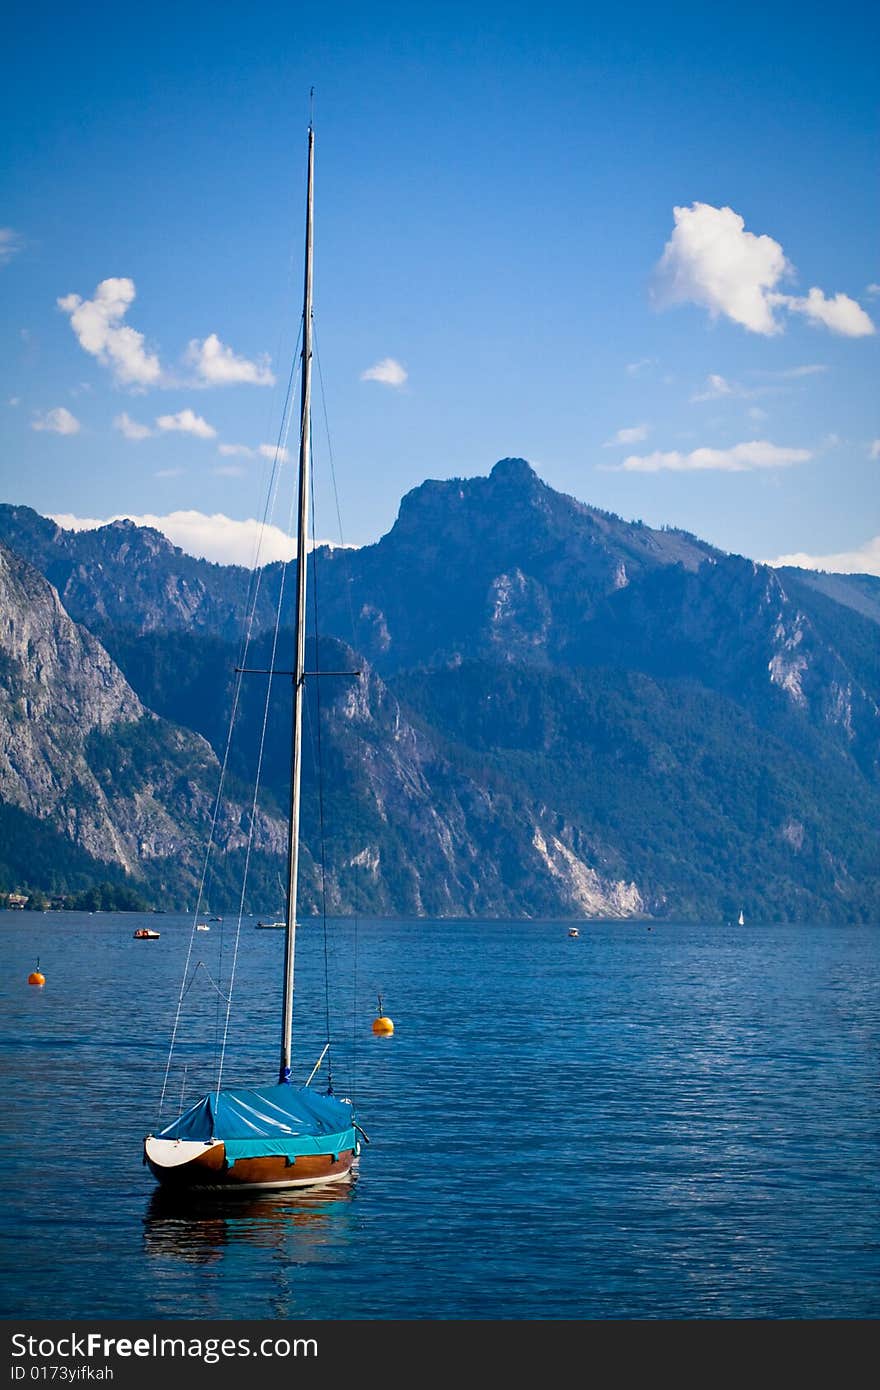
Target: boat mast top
<point>299,631</point>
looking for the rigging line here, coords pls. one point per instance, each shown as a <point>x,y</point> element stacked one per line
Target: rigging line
<point>358,881</point>
<point>258,568</point>
<point>248,625</point>
<point>329,443</point>
<point>200,965</point>
<point>247,628</point>
<point>275,476</point>
<point>321,792</point>
<point>281,454</point>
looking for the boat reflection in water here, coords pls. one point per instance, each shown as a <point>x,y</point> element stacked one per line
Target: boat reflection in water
<point>298,1223</point>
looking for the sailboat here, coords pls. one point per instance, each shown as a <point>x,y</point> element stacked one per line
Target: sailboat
<point>277,1135</point>
<point>740,921</point>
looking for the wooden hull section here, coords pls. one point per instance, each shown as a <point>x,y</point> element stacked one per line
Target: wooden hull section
<point>180,1165</point>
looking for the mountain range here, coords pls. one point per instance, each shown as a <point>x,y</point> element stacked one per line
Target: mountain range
<point>560,713</point>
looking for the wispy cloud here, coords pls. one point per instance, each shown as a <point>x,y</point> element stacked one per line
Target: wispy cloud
<point>232,451</point>
<point>874,451</point>
<point>217,537</point>
<point>57,421</point>
<point>228,470</point>
<point>756,413</point>
<point>217,365</point>
<point>632,434</point>
<point>388,371</point>
<point>636,368</point>
<point>792,373</point>
<point>11,242</point>
<point>712,260</point>
<point>186,422</point>
<point>273,451</point>
<point>716,386</point>
<point>741,458</point>
<point>100,331</point>
<point>865,559</point>
<point>131,428</point>
<point>161,473</point>
<point>872,291</point>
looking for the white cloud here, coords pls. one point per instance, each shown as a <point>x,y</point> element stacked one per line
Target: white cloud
<point>839,313</point>
<point>57,421</point>
<point>632,435</point>
<point>130,428</point>
<point>68,522</point>
<point>186,422</point>
<point>11,242</point>
<point>872,291</point>
<point>228,470</point>
<point>756,413</point>
<point>715,386</point>
<point>635,368</point>
<point>757,453</point>
<point>874,451</point>
<point>164,473</point>
<point>864,560</point>
<point>712,260</point>
<point>235,451</point>
<point>811,369</point>
<point>14,400</point>
<point>100,331</point>
<point>217,365</point>
<point>219,538</point>
<point>388,371</point>
<point>272,451</point>
<point>216,537</point>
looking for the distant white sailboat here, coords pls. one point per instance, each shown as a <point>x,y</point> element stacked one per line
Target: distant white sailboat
<point>740,921</point>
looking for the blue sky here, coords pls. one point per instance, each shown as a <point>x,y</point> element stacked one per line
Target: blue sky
<point>495,211</point>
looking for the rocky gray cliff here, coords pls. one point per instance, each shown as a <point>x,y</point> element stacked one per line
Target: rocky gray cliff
<point>79,751</point>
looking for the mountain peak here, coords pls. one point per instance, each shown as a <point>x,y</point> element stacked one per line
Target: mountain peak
<point>514,471</point>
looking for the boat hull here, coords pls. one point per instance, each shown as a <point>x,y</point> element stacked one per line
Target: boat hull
<point>180,1166</point>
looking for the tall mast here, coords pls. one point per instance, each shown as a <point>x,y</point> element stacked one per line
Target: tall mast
<point>300,634</point>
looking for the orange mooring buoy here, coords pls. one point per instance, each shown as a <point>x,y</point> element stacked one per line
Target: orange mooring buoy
<point>35,978</point>
<point>382,1025</point>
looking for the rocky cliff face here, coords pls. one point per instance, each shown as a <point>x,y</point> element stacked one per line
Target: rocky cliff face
<point>733,625</point>
<point>59,685</point>
<point>79,750</point>
<point>430,835</point>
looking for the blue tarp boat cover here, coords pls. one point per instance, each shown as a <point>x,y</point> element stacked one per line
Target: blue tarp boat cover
<point>268,1120</point>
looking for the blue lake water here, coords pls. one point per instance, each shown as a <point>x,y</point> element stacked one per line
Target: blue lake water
<point>679,1122</point>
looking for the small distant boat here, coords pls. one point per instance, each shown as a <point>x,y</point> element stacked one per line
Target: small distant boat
<point>272,926</point>
<point>573,931</point>
<point>215,919</point>
<point>202,926</point>
<point>145,934</point>
<point>740,921</point>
